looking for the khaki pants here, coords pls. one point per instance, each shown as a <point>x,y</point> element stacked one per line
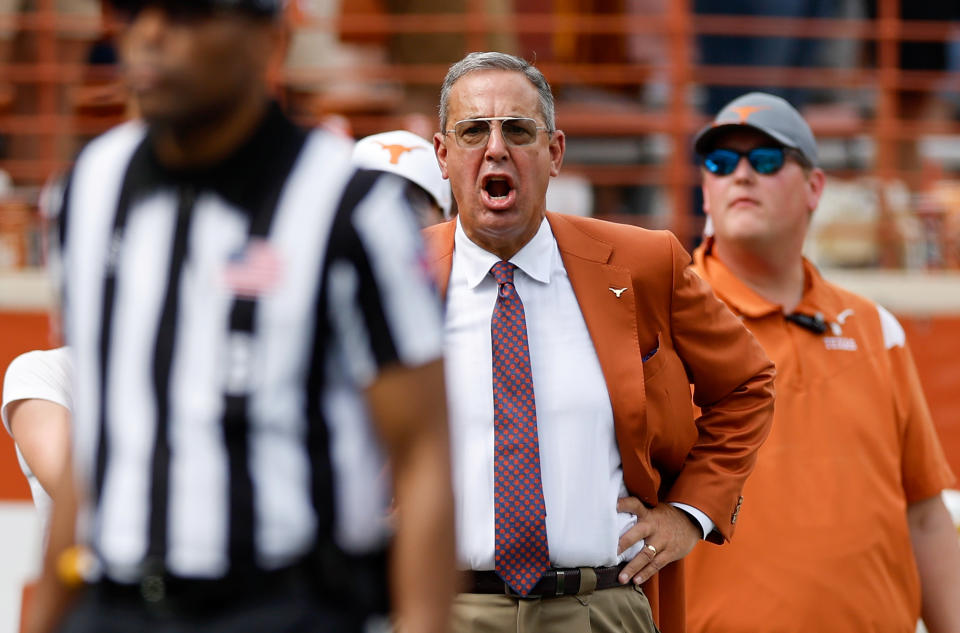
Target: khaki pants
<point>616,610</point>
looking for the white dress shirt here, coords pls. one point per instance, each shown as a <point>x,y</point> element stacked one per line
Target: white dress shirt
<point>579,458</point>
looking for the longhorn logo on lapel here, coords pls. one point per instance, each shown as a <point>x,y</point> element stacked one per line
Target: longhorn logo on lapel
<point>617,291</point>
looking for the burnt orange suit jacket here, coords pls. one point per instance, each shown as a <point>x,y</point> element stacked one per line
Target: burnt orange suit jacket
<point>667,454</point>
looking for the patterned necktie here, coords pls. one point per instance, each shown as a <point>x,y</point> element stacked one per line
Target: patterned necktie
<point>521,553</point>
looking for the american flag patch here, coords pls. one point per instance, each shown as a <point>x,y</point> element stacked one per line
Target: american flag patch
<point>254,270</point>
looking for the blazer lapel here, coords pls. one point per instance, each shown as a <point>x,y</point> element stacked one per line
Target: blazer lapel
<point>439,243</point>
<point>606,295</point>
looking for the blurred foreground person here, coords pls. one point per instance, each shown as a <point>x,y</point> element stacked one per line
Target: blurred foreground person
<point>846,530</point>
<point>410,156</point>
<point>255,338</point>
<point>571,345</point>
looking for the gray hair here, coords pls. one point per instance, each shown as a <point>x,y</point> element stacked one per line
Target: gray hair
<point>498,61</point>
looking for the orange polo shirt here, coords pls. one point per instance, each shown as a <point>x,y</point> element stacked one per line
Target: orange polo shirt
<point>822,542</point>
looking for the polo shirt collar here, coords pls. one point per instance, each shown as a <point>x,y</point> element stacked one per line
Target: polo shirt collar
<point>817,295</point>
<point>747,302</point>
<point>534,259</point>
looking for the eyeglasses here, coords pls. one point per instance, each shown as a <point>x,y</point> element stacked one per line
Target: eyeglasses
<point>764,160</point>
<point>516,131</point>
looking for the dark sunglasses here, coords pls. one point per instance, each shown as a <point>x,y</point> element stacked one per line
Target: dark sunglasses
<point>763,160</point>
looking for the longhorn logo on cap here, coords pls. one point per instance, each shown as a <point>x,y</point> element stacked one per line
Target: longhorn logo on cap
<point>744,112</point>
<point>396,151</point>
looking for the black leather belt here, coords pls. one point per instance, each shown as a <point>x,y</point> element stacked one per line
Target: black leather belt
<point>187,596</point>
<point>555,582</point>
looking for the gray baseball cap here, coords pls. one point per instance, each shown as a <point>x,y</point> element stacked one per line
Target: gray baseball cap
<point>767,113</point>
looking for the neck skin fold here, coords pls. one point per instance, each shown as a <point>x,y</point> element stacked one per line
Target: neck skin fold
<point>776,274</point>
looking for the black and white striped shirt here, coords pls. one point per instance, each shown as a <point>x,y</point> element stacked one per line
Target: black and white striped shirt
<point>224,323</point>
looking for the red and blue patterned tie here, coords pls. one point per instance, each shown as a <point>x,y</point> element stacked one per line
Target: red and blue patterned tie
<point>521,553</point>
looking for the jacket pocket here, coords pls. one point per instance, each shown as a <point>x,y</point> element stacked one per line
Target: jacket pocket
<point>653,360</point>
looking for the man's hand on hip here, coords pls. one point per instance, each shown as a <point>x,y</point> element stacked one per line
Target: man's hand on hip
<point>667,533</point>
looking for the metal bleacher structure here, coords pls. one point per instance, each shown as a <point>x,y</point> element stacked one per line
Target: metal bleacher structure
<point>629,116</point>
<point>615,142</point>
<point>629,119</point>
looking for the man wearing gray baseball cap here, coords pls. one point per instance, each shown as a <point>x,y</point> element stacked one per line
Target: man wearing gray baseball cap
<point>845,528</point>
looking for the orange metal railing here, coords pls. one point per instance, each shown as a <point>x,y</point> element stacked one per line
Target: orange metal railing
<point>70,102</point>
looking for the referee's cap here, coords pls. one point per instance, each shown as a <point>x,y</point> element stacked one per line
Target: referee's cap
<point>259,7</point>
<point>767,113</point>
<point>408,155</point>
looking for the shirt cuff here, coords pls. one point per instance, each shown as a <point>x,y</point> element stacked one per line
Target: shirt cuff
<point>705,523</point>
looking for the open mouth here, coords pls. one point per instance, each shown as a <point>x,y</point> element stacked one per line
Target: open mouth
<point>497,187</point>
<point>497,192</point>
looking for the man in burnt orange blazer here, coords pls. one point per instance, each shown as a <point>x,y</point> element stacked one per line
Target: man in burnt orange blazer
<point>579,469</point>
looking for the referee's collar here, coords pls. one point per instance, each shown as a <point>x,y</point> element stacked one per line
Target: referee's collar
<point>245,178</point>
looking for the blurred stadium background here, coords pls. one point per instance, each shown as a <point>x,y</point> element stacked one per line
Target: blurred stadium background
<point>878,80</point>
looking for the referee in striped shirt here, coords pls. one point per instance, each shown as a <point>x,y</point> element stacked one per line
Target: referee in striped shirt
<point>256,345</point>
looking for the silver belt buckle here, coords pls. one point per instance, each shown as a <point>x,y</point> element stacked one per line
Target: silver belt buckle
<point>153,589</point>
<point>561,578</point>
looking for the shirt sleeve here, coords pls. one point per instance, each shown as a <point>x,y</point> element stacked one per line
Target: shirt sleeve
<point>706,525</point>
<point>37,375</point>
<point>924,467</point>
<point>382,302</point>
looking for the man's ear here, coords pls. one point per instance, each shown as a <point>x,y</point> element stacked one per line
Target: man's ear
<point>558,144</point>
<point>816,182</point>
<point>440,149</point>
